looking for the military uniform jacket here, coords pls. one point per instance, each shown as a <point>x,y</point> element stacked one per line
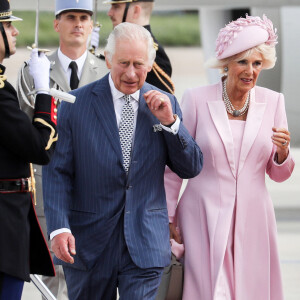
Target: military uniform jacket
<point>93,69</point>
<point>23,249</point>
<point>163,62</point>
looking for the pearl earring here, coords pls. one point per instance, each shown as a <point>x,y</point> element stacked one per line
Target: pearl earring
<point>226,69</point>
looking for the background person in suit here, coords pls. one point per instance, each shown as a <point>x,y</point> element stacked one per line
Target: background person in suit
<point>225,216</point>
<point>139,12</point>
<point>23,248</point>
<point>104,190</point>
<point>74,24</point>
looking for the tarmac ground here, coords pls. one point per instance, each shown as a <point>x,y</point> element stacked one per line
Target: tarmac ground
<point>188,72</point>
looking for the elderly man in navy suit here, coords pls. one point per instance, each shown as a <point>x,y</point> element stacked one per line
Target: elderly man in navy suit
<point>104,189</point>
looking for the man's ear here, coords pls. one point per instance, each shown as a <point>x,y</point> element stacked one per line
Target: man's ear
<point>108,64</point>
<point>149,68</point>
<point>136,11</point>
<point>55,25</point>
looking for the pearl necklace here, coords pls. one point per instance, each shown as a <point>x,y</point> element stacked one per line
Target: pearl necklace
<point>230,108</point>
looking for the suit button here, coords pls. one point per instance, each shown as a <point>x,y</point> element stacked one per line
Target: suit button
<point>128,187</point>
<point>184,143</point>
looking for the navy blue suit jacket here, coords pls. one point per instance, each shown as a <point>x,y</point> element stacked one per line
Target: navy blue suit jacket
<point>86,187</point>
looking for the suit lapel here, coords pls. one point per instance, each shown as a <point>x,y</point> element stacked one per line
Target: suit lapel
<point>253,124</point>
<point>105,112</point>
<point>141,126</point>
<point>57,74</point>
<point>219,116</point>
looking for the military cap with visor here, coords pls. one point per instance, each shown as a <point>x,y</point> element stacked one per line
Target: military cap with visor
<point>73,5</point>
<point>6,16</point>
<point>6,13</point>
<point>127,2</point>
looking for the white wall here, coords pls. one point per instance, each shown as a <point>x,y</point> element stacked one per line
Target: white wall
<point>290,75</point>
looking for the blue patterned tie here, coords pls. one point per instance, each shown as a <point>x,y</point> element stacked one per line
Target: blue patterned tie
<point>126,131</point>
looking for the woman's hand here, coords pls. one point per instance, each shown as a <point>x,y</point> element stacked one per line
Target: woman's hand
<point>174,233</point>
<point>281,138</point>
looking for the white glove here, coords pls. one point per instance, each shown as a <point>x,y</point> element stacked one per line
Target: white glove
<point>95,37</point>
<point>39,69</point>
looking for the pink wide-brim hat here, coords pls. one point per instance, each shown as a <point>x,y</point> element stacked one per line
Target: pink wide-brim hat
<point>244,34</point>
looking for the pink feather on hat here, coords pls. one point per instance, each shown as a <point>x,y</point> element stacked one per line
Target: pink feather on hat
<point>244,34</point>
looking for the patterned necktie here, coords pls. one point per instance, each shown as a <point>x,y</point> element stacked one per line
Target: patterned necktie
<point>74,81</point>
<point>126,131</point>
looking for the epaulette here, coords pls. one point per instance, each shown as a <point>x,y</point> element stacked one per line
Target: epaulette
<point>101,56</point>
<point>2,77</point>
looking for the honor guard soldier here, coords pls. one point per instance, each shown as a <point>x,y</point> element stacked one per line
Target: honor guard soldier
<point>72,66</point>
<point>23,249</point>
<point>139,12</point>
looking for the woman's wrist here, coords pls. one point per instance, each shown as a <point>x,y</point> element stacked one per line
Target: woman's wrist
<point>281,157</point>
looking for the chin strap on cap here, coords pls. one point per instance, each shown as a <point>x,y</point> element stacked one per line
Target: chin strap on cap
<point>7,52</point>
<point>125,12</point>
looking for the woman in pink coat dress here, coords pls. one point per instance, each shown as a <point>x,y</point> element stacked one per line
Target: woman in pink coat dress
<point>225,216</point>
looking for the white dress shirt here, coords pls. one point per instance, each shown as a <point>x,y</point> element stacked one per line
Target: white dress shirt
<point>119,101</point>
<point>65,62</point>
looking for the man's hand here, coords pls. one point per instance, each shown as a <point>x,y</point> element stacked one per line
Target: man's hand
<point>63,246</point>
<point>39,69</point>
<point>160,106</point>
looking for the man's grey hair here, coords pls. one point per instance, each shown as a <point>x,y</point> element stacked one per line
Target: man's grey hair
<point>130,33</point>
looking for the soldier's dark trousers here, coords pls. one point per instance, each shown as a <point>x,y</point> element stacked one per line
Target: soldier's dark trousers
<point>10,287</point>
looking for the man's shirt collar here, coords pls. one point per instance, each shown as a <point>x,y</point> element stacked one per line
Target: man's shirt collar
<point>65,61</point>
